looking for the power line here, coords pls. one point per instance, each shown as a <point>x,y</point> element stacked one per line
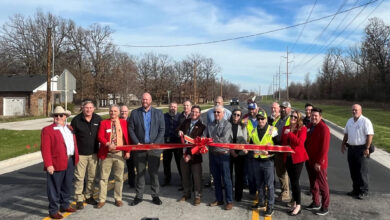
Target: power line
<point>307,19</point>
<point>327,46</point>
<point>324,29</point>
<point>318,36</point>
<point>361,23</point>
<point>251,35</point>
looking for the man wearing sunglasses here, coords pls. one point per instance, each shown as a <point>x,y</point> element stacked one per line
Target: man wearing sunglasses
<point>220,130</point>
<point>60,156</point>
<point>210,118</point>
<point>263,163</point>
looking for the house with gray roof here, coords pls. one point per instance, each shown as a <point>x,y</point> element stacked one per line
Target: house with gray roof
<point>26,94</point>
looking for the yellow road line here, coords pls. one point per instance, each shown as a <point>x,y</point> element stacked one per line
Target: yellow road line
<point>256,212</point>
<point>110,186</point>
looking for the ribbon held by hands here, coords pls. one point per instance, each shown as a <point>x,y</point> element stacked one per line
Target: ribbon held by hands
<point>200,144</point>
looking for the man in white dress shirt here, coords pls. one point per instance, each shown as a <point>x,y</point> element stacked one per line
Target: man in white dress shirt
<point>358,134</point>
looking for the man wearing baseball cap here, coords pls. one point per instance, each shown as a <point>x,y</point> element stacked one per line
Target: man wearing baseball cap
<point>281,172</point>
<point>263,163</point>
<point>251,123</point>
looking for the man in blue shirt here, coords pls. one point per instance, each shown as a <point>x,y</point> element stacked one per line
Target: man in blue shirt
<point>146,126</point>
<point>210,113</point>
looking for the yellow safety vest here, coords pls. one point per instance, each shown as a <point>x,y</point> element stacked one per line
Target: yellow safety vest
<point>276,121</point>
<point>267,139</point>
<point>250,129</point>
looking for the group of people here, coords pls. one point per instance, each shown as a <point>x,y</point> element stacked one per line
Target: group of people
<point>86,149</point>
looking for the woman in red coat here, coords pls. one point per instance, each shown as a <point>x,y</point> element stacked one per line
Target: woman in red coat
<point>295,136</point>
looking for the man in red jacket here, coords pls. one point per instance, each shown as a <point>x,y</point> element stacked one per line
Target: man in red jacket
<point>60,155</point>
<point>112,132</point>
<point>317,147</point>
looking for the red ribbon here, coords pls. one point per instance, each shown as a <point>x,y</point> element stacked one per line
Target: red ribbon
<point>151,147</point>
<point>199,145</point>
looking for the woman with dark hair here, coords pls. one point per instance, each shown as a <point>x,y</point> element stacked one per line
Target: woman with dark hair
<point>237,157</point>
<point>295,136</point>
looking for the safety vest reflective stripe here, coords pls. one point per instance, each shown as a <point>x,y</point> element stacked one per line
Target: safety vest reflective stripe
<point>267,139</point>
<point>250,129</point>
<point>276,121</point>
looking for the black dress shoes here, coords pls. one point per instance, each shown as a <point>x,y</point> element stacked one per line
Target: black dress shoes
<point>91,201</point>
<point>156,200</point>
<point>136,201</point>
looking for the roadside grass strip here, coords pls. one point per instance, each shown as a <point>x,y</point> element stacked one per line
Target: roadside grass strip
<point>15,143</point>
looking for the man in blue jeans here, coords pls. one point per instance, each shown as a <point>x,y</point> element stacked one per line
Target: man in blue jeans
<point>220,130</point>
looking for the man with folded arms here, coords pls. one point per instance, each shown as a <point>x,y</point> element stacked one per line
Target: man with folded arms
<point>60,155</point>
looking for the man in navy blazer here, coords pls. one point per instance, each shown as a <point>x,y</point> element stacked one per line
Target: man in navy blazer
<point>146,126</point>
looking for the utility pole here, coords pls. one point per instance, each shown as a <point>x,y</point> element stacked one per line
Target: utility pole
<point>273,86</point>
<point>52,73</point>
<point>287,75</point>
<point>279,84</point>
<point>195,100</point>
<point>221,85</point>
<point>287,97</point>
<point>48,92</point>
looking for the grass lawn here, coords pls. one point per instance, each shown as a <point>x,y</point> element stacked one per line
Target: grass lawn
<point>19,118</point>
<point>16,143</point>
<point>340,113</point>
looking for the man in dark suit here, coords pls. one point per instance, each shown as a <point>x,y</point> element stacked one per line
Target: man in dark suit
<point>146,126</point>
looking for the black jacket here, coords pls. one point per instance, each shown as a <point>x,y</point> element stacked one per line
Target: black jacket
<point>197,131</point>
<point>86,133</point>
<point>171,124</point>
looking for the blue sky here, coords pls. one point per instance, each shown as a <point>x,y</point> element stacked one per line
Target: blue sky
<point>249,62</point>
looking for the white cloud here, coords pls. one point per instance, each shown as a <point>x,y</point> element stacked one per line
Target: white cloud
<point>152,22</point>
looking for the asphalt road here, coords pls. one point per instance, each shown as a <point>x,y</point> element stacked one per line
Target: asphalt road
<point>23,196</point>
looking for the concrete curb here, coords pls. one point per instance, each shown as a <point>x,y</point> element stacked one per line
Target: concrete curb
<point>20,162</point>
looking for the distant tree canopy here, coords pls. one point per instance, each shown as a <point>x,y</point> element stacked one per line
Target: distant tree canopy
<point>99,66</point>
<point>357,74</point>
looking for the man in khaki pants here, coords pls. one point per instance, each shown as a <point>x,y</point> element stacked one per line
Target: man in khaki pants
<point>112,133</point>
<point>85,126</point>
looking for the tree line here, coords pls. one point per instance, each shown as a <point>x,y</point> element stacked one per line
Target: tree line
<point>100,67</point>
<point>358,73</point>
